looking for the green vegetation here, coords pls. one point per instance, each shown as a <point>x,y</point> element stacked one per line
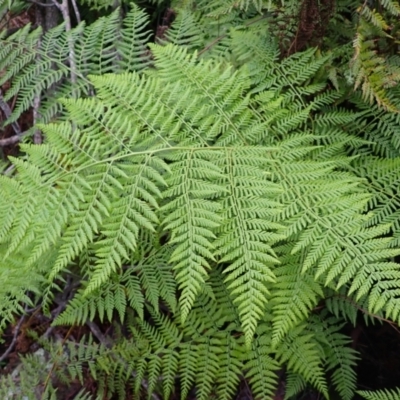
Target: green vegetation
<point>210,190</point>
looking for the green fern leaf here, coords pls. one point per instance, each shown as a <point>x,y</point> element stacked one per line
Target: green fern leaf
<point>294,296</point>
<point>299,350</point>
<point>247,233</point>
<point>393,394</point>
<point>261,367</point>
<point>192,219</point>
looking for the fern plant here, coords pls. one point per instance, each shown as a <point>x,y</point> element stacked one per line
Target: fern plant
<point>216,207</point>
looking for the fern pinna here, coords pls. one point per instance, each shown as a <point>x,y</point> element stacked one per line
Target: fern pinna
<point>227,219</point>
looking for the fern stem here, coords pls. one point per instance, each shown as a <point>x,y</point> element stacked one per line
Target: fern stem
<point>139,153</point>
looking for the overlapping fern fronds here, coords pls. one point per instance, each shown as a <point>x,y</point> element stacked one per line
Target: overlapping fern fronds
<point>184,152</point>
<point>209,206</point>
<point>40,66</point>
<point>201,352</point>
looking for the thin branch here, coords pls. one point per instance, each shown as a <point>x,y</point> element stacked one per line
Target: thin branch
<point>54,314</point>
<point>57,4</point>
<point>7,113</point>
<point>213,43</point>
<point>76,10</point>
<point>14,339</point>
<point>98,334</point>
<point>9,170</point>
<point>13,139</point>
<point>61,302</point>
<point>63,7</point>
<point>9,141</point>
<point>55,364</point>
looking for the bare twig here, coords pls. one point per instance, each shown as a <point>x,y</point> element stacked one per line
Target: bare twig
<point>9,141</point>
<point>7,113</point>
<point>13,139</point>
<point>61,302</point>
<point>76,11</point>
<point>37,136</point>
<point>54,314</point>
<point>64,9</point>
<point>57,4</point>
<point>9,170</point>
<point>14,339</point>
<point>98,334</point>
<point>54,366</point>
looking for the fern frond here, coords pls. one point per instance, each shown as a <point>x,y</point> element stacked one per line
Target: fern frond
<point>299,67</point>
<point>188,364</point>
<point>156,277</point>
<point>372,72</point>
<point>208,353</point>
<point>169,370</point>
<point>99,4</point>
<point>299,349</point>
<point>295,384</point>
<point>260,366</point>
<point>38,66</point>
<point>294,296</point>
<point>392,6</point>
<point>192,219</point>
<point>230,369</point>
<point>383,183</point>
<point>257,51</point>
<point>222,92</point>
<point>185,31</point>
<point>112,297</point>
<point>341,305</point>
<point>340,357</point>
<point>132,51</point>
<point>246,236</point>
<point>207,202</point>
<point>393,394</point>
<point>134,210</point>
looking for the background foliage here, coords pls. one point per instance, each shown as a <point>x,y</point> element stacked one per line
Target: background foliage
<point>204,197</point>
